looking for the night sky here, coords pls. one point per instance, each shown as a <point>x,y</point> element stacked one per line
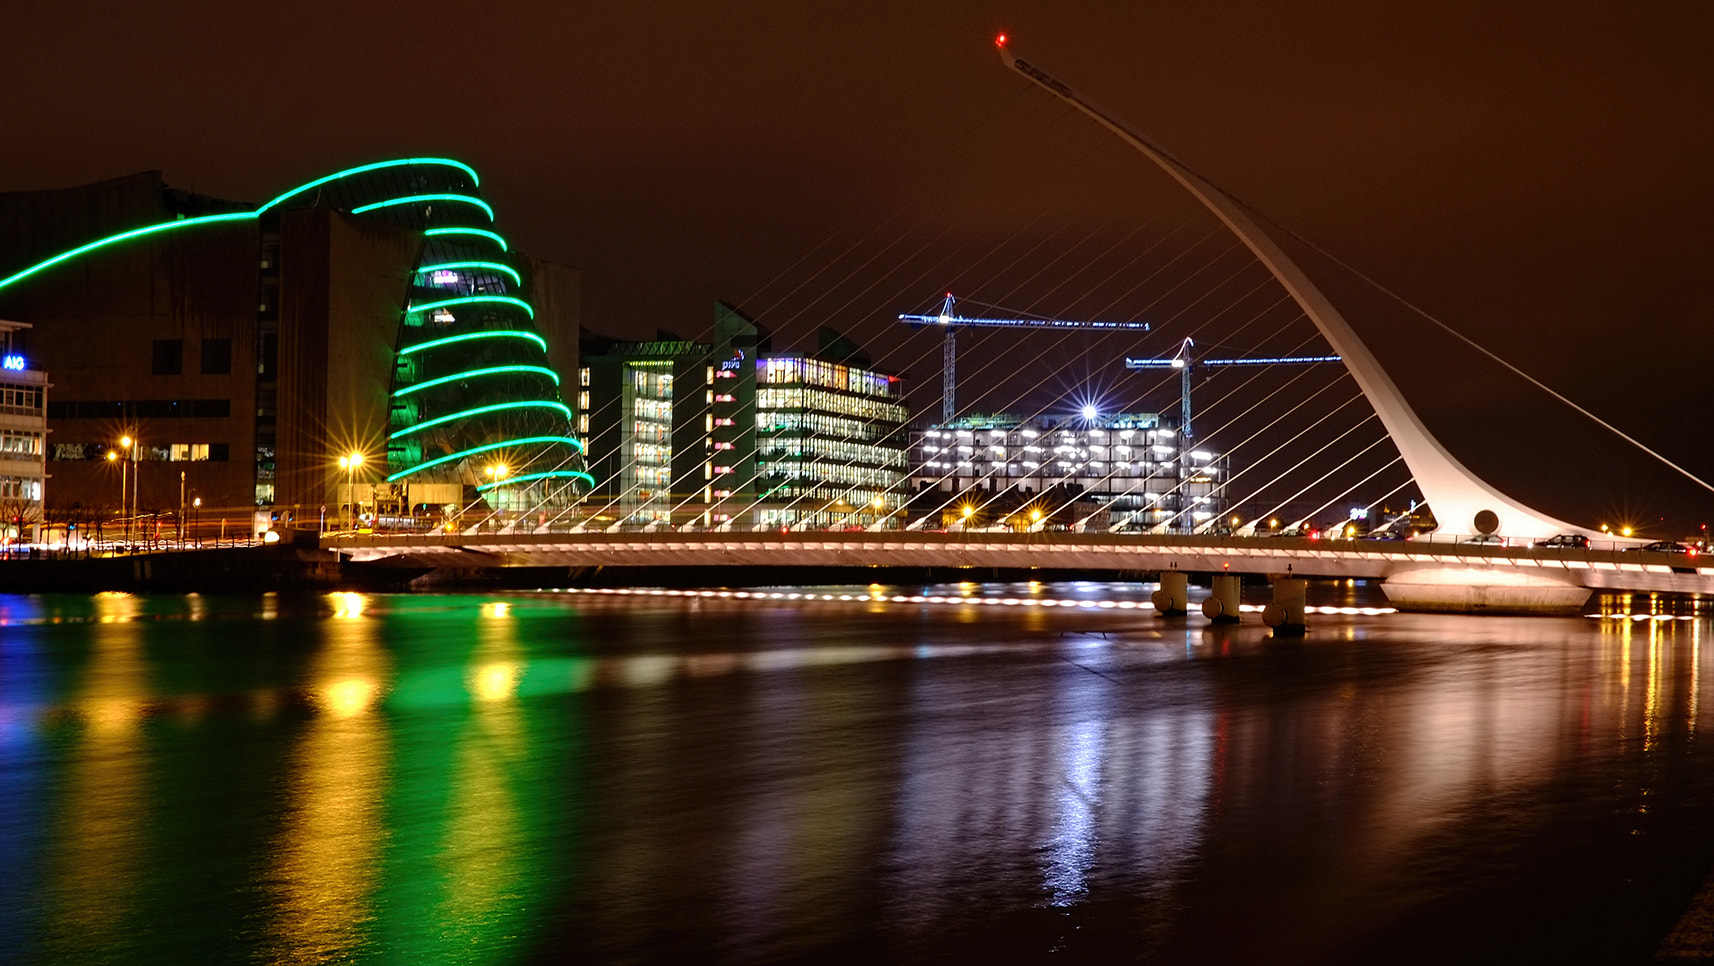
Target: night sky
<point>1535,175</point>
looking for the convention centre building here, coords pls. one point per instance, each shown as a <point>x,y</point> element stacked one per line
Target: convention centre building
<point>364,345</point>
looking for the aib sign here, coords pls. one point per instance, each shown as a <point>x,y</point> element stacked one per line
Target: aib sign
<point>15,363</point>
<point>731,365</point>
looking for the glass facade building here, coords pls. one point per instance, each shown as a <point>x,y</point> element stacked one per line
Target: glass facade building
<point>732,433</point>
<point>1131,463</point>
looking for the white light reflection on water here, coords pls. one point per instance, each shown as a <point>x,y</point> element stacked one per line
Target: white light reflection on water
<point>1071,849</point>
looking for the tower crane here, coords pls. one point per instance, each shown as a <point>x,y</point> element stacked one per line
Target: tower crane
<point>950,321</point>
<point>1185,363</point>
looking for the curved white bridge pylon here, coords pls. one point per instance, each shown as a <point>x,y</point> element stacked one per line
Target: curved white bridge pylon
<point>1462,501</point>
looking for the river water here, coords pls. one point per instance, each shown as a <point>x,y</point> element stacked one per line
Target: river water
<point>1017,773</point>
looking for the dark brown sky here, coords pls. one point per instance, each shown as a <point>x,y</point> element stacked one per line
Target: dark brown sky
<point>1536,174</point>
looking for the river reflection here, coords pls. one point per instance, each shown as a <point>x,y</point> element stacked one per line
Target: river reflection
<point>1017,772</point>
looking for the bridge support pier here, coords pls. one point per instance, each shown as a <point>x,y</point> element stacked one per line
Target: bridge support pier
<point>1222,606</point>
<point>1286,615</point>
<point>1173,599</point>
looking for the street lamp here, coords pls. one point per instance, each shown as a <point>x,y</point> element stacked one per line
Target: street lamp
<point>497,473</point>
<point>349,464</point>
<point>113,457</point>
<point>196,519</point>
<point>125,443</point>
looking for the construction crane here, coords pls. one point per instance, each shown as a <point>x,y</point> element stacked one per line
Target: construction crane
<point>951,322</point>
<point>1186,363</point>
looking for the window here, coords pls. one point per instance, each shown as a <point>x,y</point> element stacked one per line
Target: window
<point>216,357</point>
<point>178,452</point>
<point>269,356</point>
<point>168,357</point>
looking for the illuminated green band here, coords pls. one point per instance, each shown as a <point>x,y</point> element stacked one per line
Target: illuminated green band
<point>497,407</point>
<point>490,447</point>
<point>473,373</point>
<point>471,299</point>
<point>123,236</point>
<point>480,266</point>
<point>550,474</point>
<point>483,232</point>
<point>418,199</point>
<point>494,334</point>
<point>348,172</point>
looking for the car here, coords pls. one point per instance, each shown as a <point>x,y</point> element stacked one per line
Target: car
<point>1487,539</point>
<point>1662,546</point>
<point>1383,535</point>
<point>1576,540</point>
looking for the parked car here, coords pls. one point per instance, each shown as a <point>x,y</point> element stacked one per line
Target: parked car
<point>1577,540</point>
<point>1662,546</point>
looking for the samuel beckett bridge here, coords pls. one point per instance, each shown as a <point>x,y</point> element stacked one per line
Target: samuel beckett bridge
<point>1490,553</point>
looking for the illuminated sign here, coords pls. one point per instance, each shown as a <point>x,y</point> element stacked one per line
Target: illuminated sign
<point>15,363</point>
<point>731,365</point>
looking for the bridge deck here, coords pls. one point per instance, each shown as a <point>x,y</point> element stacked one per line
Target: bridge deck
<point>1600,569</point>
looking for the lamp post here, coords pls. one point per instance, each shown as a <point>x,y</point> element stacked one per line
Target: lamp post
<point>350,464</point>
<point>113,457</point>
<point>125,443</point>
<point>497,473</point>
<point>196,518</point>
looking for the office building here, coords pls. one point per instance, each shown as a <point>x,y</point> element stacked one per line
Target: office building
<point>734,433</point>
<point>1130,464</point>
<point>23,439</point>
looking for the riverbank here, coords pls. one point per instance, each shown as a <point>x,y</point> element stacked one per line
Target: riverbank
<point>305,568</point>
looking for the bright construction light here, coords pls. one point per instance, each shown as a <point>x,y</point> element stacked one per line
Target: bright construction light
<point>1089,412</point>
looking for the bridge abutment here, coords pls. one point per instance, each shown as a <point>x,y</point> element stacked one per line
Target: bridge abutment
<point>1465,590</point>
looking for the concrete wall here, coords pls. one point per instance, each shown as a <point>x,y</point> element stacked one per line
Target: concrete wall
<point>342,287</point>
<point>95,322</point>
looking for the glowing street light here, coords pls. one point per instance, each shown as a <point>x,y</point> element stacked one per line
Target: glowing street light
<point>497,473</point>
<point>350,464</point>
<point>131,448</point>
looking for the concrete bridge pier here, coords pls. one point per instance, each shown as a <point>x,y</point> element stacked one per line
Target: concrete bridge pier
<point>1286,615</point>
<point>1222,606</point>
<point>1173,599</point>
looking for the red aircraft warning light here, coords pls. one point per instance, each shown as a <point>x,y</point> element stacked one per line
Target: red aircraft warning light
<point>1000,41</point>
